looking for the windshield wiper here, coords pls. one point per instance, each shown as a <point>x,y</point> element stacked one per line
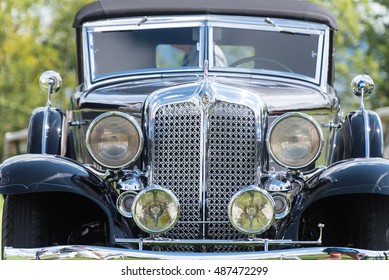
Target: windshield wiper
<point>276,26</point>
<point>143,20</point>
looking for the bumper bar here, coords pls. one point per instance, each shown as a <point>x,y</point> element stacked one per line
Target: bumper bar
<point>78,252</point>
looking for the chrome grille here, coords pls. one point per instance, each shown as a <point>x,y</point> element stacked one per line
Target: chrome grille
<point>176,153</point>
<point>231,158</point>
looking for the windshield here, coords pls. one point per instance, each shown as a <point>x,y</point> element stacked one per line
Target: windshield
<point>231,48</point>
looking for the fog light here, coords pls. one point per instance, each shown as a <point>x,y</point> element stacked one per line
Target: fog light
<point>124,203</point>
<point>282,205</point>
<point>155,210</point>
<point>251,210</point>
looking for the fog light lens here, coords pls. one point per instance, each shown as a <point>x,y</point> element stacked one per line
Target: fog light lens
<point>155,210</point>
<point>282,205</point>
<point>251,210</point>
<point>124,203</point>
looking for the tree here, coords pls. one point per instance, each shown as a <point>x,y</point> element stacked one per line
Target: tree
<point>35,35</point>
<point>361,48</point>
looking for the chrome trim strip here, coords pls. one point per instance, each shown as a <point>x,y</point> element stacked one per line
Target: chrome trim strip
<point>242,242</point>
<point>109,253</point>
<point>367,131</point>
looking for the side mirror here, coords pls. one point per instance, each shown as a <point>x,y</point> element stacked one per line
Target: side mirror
<point>50,81</point>
<point>362,85</point>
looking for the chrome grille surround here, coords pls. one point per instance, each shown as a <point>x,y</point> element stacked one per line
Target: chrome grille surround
<point>204,153</point>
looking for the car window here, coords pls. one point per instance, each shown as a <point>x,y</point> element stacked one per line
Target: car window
<point>124,51</point>
<point>269,50</point>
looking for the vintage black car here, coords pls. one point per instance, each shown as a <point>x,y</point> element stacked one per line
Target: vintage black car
<point>200,129</point>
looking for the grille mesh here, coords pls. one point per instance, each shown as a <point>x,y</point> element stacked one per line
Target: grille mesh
<point>176,164</point>
<point>231,158</point>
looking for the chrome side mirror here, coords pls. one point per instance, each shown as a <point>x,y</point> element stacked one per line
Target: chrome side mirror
<point>362,85</point>
<point>50,81</point>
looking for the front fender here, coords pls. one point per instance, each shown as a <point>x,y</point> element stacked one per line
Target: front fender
<point>36,173</point>
<point>342,182</point>
<point>40,173</point>
<point>360,175</point>
<point>55,133</point>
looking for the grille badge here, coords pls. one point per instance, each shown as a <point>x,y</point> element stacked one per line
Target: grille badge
<point>205,99</point>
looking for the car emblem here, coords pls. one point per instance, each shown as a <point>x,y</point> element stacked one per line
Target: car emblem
<point>205,99</point>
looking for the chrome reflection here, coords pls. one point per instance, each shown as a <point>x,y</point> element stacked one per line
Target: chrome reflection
<point>110,253</point>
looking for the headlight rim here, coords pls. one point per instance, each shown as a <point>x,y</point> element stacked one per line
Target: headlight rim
<point>136,219</point>
<point>103,116</point>
<point>290,115</point>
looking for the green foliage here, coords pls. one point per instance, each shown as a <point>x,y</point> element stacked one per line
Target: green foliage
<point>35,35</point>
<point>361,48</point>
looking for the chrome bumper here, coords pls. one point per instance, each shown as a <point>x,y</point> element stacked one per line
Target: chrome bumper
<point>78,252</point>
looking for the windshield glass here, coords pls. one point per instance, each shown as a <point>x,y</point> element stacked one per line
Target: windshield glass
<point>267,50</point>
<point>125,51</point>
<point>261,48</point>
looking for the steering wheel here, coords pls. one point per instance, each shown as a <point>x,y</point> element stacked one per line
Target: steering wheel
<point>256,58</point>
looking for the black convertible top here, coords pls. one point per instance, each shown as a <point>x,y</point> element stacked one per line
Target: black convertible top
<point>292,9</point>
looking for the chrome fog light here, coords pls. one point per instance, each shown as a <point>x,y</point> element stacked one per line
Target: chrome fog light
<point>281,205</point>
<point>155,210</point>
<point>251,210</point>
<point>124,203</point>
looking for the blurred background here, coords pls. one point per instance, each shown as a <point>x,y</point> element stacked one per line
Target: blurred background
<point>37,35</point>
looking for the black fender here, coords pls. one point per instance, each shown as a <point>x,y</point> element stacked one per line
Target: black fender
<point>349,178</point>
<point>55,134</point>
<point>352,144</point>
<point>360,175</point>
<point>33,173</point>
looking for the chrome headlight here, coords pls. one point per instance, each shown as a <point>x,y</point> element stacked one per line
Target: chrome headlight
<point>155,210</point>
<point>294,140</point>
<point>114,140</point>
<point>251,210</point>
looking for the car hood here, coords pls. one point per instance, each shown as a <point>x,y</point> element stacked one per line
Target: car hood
<point>279,96</point>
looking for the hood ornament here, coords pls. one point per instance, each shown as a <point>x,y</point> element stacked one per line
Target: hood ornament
<point>205,95</point>
<point>206,68</point>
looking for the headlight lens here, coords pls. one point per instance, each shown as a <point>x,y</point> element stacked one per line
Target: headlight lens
<point>114,140</point>
<point>251,210</point>
<point>155,210</point>
<point>294,140</point>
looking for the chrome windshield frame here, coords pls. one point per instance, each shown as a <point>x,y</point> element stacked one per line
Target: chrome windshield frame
<point>206,23</point>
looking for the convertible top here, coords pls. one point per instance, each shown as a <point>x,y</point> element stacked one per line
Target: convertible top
<point>292,9</point>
